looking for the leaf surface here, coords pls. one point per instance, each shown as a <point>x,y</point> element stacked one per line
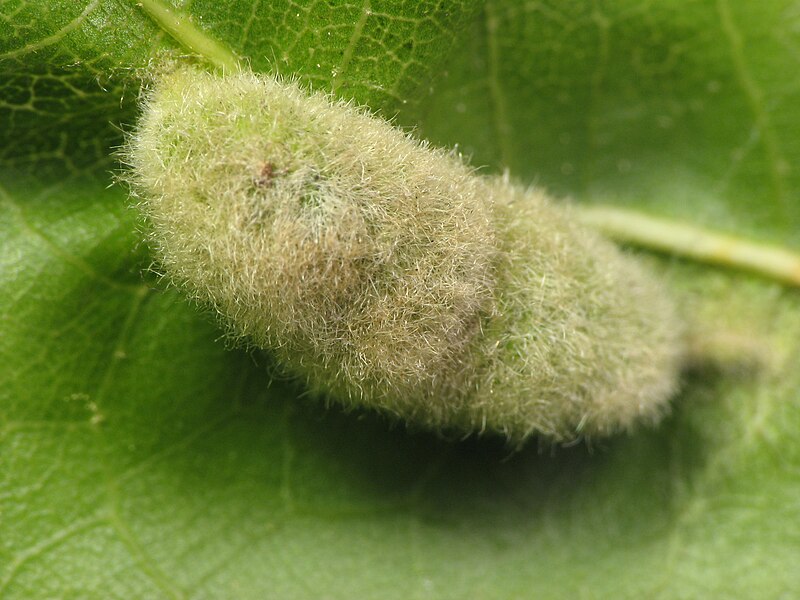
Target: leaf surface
<point>141,457</point>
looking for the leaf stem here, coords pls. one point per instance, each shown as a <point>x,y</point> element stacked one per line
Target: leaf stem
<point>187,34</point>
<point>694,242</point>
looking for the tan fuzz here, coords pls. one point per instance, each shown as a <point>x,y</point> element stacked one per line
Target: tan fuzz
<point>387,273</point>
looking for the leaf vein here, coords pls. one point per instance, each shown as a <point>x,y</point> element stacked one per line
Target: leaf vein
<point>54,38</point>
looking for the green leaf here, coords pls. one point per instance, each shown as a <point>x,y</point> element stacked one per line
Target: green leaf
<point>142,457</point>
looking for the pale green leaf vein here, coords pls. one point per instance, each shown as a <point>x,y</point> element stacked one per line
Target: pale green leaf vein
<point>75,261</point>
<point>52,541</point>
<point>496,93</point>
<point>755,97</point>
<point>145,562</point>
<point>347,55</point>
<point>55,37</point>
<point>691,241</point>
<point>181,28</point>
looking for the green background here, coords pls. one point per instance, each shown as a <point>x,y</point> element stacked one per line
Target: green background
<point>141,457</point>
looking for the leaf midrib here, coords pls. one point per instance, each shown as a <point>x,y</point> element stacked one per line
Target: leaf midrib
<point>180,27</point>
